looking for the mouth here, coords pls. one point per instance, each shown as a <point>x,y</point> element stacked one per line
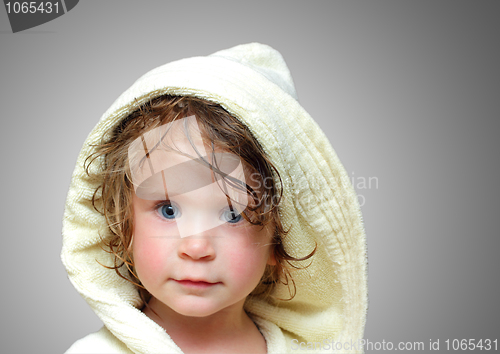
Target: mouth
<point>197,284</point>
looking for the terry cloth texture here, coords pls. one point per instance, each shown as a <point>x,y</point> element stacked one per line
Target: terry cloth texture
<point>320,207</point>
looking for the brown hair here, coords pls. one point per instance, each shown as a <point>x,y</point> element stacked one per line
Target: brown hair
<point>223,131</point>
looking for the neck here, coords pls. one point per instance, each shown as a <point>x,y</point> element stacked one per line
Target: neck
<point>218,328</point>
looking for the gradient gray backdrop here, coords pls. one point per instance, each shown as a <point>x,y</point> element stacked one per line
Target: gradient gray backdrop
<point>407,92</point>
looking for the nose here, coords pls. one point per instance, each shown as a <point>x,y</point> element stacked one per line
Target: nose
<point>196,247</point>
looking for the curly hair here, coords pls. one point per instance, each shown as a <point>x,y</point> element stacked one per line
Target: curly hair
<point>113,198</point>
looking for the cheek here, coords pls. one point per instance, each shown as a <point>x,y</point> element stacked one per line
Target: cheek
<point>247,262</point>
<point>149,254</point>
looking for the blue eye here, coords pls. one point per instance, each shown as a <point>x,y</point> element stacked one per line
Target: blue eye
<point>169,210</point>
<point>231,216</point>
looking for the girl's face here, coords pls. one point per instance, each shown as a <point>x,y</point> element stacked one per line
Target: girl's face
<point>192,250</point>
<point>201,274</point>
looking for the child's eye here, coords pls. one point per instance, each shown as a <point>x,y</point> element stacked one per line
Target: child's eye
<point>169,210</point>
<point>231,216</point>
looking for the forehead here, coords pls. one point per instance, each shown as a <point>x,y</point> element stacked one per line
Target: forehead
<point>174,159</point>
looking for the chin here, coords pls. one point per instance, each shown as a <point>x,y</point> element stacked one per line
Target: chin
<point>196,309</point>
<point>196,313</point>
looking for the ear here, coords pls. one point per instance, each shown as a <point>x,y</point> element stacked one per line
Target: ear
<point>272,258</point>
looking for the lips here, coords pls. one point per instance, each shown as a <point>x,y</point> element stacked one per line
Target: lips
<point>197,284</point>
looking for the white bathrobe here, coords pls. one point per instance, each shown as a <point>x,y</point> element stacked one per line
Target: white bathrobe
<point>320,207</point>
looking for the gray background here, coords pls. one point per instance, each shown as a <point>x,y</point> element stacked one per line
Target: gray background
<point>407,92</point>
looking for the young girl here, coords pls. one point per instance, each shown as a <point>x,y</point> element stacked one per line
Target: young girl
<point>208,214</point>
